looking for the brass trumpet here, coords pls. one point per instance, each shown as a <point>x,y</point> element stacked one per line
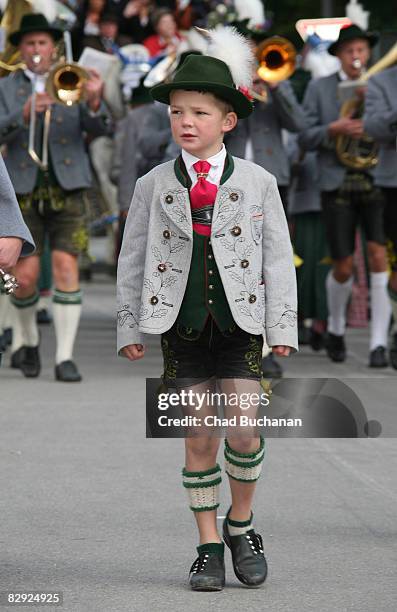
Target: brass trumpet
<point>277,61</point>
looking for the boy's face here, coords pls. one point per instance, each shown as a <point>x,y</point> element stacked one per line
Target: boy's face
<point>199,122</point>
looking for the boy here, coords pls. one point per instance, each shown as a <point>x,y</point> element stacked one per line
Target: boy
<point>206,253</point>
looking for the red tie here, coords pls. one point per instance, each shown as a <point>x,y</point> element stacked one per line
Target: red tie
<point>202,194</point>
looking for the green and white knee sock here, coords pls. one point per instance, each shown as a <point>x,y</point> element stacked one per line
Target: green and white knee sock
<point>245,467</point>
<point>26,311</point>
<point>66,313</point>
<point>203,488</point>
<point>238,527</point>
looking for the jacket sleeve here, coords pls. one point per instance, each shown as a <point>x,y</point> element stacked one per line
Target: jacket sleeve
<point>130,271</point>
<point>11,221</point>
<point>11,121</point>
<point>155,137</point>
<point>98,123</point>
<point>279,274</point>
<point>380,120</point>
<point>288,109</point>
<point>315,135</point>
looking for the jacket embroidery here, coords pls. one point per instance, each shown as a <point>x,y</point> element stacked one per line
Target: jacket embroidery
<point>287,319</point>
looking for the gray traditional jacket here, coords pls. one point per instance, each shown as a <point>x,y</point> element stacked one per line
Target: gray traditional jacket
<point>66,143</point>
<point>380,121</point>
<point>11,221</point>
<point>321,107</point>
<point>263,127</point>
<point>248,223</point>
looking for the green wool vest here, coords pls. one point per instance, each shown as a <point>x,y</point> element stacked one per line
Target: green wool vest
<point>204,295</point>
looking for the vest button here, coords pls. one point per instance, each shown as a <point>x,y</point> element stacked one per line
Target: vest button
<point>210,302</point>
<point>161,267</point>
<point>210,286</point>
<point>234,197</point>
<point>167,234</point>
<point>236,230</point>
<point>210,272</point>
<point>154,300</point>
<point>209,256</point>
<point>169,199</point>
<point>252,298</point>
<point>244,263</point>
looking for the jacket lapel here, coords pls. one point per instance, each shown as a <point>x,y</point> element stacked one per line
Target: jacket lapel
<point>228,200</point>
<point>175,200</point>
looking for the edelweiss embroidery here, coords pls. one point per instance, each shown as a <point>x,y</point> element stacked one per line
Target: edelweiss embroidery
<point>287,319</point>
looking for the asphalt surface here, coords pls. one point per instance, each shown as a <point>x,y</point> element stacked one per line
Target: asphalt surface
<point>92,508</point>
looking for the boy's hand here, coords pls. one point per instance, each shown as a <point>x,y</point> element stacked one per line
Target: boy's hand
<point>281,351</point>
<point>133,351</point>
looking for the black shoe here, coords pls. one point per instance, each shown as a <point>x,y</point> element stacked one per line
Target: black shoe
<point>208,571</point>
<point>43,317</point>
<point>316,340</point>
<point>67,371</point>
<point>2,343</point>
<point>335,347</point>
<point>303,335</point>
<point>393,351</point>
<point>17,357</point>
<point>249,561</point>
<point>377,358</point>
<point>271,368</point>
<point>30,364</point>
<point>7,336</point>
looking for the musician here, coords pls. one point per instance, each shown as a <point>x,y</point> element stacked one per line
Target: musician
<point>380,121</point>
<point>53,202</point>
<point>348,198</point>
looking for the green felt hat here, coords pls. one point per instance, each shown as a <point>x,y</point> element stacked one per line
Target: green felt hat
<point>34,22</point>
<point>209,74</point>
<point>352,32</point>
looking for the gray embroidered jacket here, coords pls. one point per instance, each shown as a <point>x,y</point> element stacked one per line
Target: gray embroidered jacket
<point>248,224</point>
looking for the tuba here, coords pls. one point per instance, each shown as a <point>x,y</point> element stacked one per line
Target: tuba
<point>361,154</point>
<point>277,61</point>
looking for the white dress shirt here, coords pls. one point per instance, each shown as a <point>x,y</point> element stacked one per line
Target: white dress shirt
<point>40,80</point>
<point>217,162</point>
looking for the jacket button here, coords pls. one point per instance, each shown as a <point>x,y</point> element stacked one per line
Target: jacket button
<point>59,119</point>
<point>169,199</point>
<point>161,267</point>
<point>210,286</point>
<point>154,300</point>
<point>63,140</point>
<point>167,234</point>
<point>22,165</point>
<point>236,230</point>
<point>252,298</point>
<point>234,197</point>
<point>210,302</point>
<point>244,263</point>
<point>67,161</point>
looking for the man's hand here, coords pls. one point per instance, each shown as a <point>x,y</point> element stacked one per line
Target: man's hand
<point>10,250</point>
<point>94,90</point>
<point>43,101</point>
<point>347,127</point>
<point>133,351</point>
<point>281,351</point>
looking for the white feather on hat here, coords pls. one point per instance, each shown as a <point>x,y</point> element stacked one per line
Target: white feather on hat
<point>253,10</point>
<point>228,45</point>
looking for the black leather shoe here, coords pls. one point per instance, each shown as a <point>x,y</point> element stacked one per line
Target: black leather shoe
<point>17,357</point>
<point>270,367</point>
<point>43,317</point>
<point>335,347</point>
<point>207,572</point>
<point>2,344</point>
<point>377,358</point>
<point>30,364</point>
<point>67,371</point>
<point>249,561</point>
<point>316,340</point>
<point>393,351</point>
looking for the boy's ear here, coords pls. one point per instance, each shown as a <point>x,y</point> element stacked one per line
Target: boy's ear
<point>230,122</point>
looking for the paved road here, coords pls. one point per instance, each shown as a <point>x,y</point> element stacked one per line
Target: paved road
<point>92,508</point>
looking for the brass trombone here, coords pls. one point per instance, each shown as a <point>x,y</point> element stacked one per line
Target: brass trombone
<point>277,61</point>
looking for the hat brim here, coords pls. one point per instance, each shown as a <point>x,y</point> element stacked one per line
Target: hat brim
<point>16,37</point>
<point>371,38</point>
<point>240,103</point>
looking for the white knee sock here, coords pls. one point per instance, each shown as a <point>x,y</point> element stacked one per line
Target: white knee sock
<point>18,338</point>
<point>393,303</point>
<point>4,304</point>
<point>380,309</point>
<point>26,311</point>
<point>337,298</point>
<point>66,313</point>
